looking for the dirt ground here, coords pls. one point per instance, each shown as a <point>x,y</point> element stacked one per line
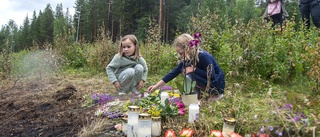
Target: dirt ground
<point>49,107</point>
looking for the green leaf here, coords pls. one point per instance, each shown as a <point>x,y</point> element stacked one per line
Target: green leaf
<point>187,85</point>
<point>180,87</point>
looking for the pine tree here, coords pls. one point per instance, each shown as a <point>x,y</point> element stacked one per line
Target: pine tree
<point>60,22</point>
<point>26,40</point>
<point>34,28</point>
<point>46,25</point>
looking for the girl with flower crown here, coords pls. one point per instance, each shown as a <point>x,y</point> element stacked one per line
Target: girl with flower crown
<point>198,65</point>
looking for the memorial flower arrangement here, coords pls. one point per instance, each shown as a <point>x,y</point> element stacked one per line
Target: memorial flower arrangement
<point>108,105</point>
<point>173,105</point>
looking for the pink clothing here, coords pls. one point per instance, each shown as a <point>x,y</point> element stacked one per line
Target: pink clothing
<point>274,8</point>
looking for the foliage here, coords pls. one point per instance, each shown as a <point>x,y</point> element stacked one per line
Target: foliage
<point>314,55</point>
<point>75,56</point>
<point>118,18</point>
<point>152,50</point>
<point>173,105</point>
<point>186,87</point>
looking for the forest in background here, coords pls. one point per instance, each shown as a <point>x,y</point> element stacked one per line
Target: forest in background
<point>233,31</point>
<point>120,17</point>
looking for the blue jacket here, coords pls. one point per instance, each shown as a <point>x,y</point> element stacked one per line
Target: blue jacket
<point>200,74</point>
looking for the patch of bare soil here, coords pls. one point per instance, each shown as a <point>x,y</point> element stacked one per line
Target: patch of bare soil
<point>47,107</point>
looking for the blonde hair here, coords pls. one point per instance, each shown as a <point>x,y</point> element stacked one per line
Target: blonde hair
<point>134,40</point>
<point>183,41</point>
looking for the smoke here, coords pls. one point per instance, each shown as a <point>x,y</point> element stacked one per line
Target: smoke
<point>37,63</point>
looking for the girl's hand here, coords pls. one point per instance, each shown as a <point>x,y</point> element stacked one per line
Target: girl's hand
<point>117,85</point>
<point>140,84</point>
<point>151,88</point>
<point>190,69</point>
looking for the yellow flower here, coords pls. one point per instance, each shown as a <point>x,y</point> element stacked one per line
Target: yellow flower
<point>154,111</point>
<point>176,95</point>
<point>156,92</point>
<point>170,94</point>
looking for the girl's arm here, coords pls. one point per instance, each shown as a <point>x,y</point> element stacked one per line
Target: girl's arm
<point>156,86</point>
<point>112,67</point>
<point>143,62</point>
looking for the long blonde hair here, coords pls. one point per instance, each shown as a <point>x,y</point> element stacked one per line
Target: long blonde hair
<point>183,41</point>
<point>134,40</point>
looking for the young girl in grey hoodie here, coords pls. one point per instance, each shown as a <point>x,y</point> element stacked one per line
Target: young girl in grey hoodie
<point>127,70</point>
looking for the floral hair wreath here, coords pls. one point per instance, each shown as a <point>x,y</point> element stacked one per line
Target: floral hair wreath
<point>196,41</point>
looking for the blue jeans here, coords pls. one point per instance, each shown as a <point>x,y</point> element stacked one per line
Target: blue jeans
<point>313,8</point>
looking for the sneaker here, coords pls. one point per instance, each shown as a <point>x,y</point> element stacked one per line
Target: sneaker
<point>216,97</point>
<point>121,93</point>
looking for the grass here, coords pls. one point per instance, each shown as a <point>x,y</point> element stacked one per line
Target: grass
<point>254,103</point>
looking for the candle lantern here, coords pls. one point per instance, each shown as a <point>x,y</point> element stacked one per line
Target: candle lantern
<point>156,126</point>
<point>163,97</point>
<point>228,126</point>
<point>193,112</point>
<point>133,115</point>
<point>144,125</point>
<point>124,125</point>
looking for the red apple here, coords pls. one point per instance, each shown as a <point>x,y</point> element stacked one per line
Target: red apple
<point>216,133</point>
<point>186,132</point>
<point>234,134</point>
<point>170,133</point>
<point>263,135</point>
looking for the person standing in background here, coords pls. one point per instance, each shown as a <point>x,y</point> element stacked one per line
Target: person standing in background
<point>276,12</point>
<point>310,7</point>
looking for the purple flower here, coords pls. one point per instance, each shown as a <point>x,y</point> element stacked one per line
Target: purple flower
<point>197,35</point>
<point>266,120</point>
<point>105,98</point>
<point>288,106</point>
<point>194,43</point>
<point>94,96</point>
<point>262,129</point>
<point>297,118</point>
<point>174,100</point>
<point>166,88</point>
<point>271,128</point>
<point>303,115</point>
<point>279,133</point>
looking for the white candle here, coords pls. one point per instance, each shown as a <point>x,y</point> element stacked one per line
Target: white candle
<point>163,96</point>
<point>124,125</point>
<point>156,127</point>
<point>144,125</point>
<point>193,112</point>
<point>133,119</point>
<point>228,126</point>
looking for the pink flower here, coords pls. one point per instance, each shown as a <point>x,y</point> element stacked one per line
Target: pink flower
<point>179,105</point>
<point>197,35</point>
<point>194,43</point>
<point>181,111</point>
